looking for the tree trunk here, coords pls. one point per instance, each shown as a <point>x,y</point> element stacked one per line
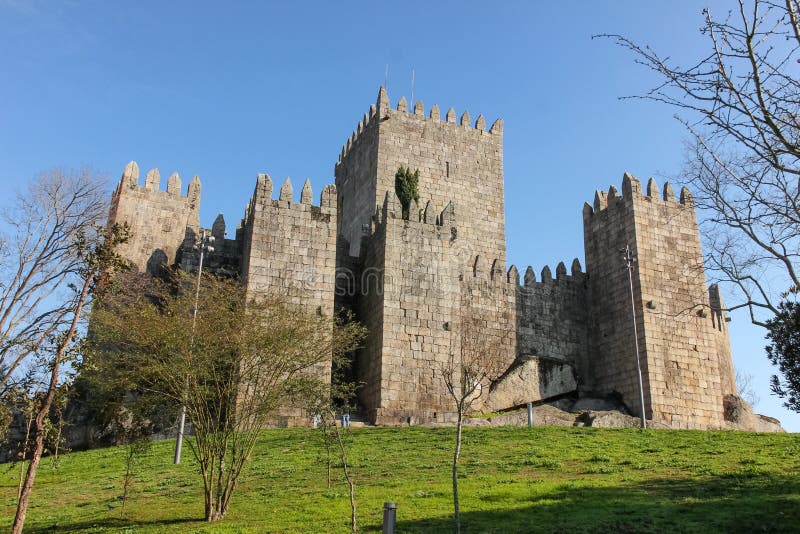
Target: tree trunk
<point>328,452</point>
<point>351,483</point>
<point>457,512</point>
<point>30,476</point>
<point>26,443</point>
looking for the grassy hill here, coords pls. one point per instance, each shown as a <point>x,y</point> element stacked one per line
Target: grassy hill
<point>545,479</point>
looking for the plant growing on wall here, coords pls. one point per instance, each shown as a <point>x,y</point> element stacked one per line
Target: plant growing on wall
<point>406,186</point>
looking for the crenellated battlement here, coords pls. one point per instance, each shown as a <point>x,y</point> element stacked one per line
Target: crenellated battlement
<point>262,198</point>
<point>529,278</point>
<point>381,111</point>
<point>632,189</point>
<point>427,215</point>
<point>490,270</point>
<point>158,219</point>
<point>152,183</point>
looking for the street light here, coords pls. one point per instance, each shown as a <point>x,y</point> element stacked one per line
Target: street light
<point>203,246</point>
<point>629,262</point>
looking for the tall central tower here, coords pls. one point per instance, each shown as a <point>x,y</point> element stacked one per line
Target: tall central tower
<point>416,277</point>
<point>458,162</point>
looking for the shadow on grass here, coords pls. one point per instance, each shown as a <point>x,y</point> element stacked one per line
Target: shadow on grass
<point>745,502</point>
<point>113,523</point>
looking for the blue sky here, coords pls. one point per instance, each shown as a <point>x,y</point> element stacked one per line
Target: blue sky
<point>227,90</point>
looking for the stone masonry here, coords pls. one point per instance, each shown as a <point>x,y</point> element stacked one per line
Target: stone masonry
<point>683,338</point>
<point>433,286</point>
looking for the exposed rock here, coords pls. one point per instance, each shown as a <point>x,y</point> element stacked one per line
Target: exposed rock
<point>533,380</point>
<point>739,416</point>
<point>597,404</point>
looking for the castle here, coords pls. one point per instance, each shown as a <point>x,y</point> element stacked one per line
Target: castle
<point>429,284</point>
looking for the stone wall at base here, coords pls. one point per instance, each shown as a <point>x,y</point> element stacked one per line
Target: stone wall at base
<point>420,292</point>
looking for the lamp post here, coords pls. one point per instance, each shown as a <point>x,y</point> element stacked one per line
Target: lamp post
<point>630,260</point>
<point>203,246</point>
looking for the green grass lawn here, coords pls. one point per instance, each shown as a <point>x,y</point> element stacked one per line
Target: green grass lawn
<point>545,479</point>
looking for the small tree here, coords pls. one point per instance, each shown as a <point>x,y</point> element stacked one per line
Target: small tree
<point>323,405</point>
<point>333,438</point>
<point>231,369</point>
<point>783,331</point>
<point>744,383</point>
<point>406,186</point>
<point>467,376</point>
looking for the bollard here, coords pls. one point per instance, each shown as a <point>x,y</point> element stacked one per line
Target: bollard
<point>389,517</point>
<point>530,414</point>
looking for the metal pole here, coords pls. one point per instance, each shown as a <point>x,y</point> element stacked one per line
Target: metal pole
<point>530,414</point>
<point>182,420</point>
<point>389,517</point>
<point>629,261</point>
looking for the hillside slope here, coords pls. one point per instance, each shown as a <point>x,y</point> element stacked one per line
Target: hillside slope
<point>544,479</point>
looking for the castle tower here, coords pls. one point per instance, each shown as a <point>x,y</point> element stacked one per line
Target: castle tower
<point>682,333</point>
<point>289,250</point>
<point>418,277</point>
<point>457,162</point>
<point>158,219</point>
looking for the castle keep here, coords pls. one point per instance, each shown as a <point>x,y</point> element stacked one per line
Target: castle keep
<point>433,286</point>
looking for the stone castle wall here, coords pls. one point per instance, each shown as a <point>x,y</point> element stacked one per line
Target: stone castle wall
<point>158,219</point>
<point>552,314</point>
<point>433,287</point>
<point>486,321</point>
<point>428,304</point>
<point>419,294</point>
<point>679,340</point>
<point>289,248</point>
<point>289,251</point>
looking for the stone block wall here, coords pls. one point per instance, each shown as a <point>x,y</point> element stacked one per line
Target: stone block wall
<point>158,219</point>
<point>679,340</point>
<point>552,314</point>
<point>486,321</point>
<point>420,292</point>
<point>415,297</point>
<point>355,182</point>
<point>226,256</point>
<point>459,162</point>
<point>289,249</point>
<point>368,292</point>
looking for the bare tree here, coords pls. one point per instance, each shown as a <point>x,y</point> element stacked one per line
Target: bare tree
<point>38,259</point>
<point>744,383</point>
<point>467,375</point>
<point>232,369</point>
<point>323,405</point>
<point>333,438</point>
<point>740,103</point>
<point>96,251</point>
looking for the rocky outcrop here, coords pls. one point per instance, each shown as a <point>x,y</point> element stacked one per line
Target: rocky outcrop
<point>739,415</point>
<point>532,380</point>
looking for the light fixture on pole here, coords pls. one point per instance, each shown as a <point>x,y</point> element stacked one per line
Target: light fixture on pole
<point>203,246</point>
<point>630,260</point>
